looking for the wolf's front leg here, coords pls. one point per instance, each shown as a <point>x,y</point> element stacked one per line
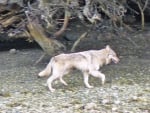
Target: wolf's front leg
<point>102,76</point>
<point>86,80</point>
<point>98,74</point>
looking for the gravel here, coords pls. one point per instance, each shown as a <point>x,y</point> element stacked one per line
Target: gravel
<point>127,87</point>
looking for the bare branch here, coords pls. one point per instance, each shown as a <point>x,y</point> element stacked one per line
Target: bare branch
<point>78,41</point>
<point>66,20</point>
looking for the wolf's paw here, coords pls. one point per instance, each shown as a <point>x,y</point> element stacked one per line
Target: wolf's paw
<point>90,87</point>
<point>63,82</point>
<point>52,90</point>
<point>103,82</point>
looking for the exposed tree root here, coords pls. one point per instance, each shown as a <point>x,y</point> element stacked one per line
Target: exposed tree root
<point>78,41</point>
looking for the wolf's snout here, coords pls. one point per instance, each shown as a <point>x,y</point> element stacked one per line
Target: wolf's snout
<point>115,60</point>
<point>39,76</point>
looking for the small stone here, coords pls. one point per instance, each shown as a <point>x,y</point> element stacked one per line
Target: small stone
<point>114,109</point>
<point>117,102</point>
<point>78,106</point>
<point>93,111</point>
<point>134,98</point>
<point>105,101</point>
<point>90,106</point>
<point>18,107</point>
<point>115,87</point>
<point>125,111</point>
<point>115,95</point>
<point>12,51</point>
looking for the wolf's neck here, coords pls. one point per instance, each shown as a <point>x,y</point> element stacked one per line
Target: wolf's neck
<point>103,57</point>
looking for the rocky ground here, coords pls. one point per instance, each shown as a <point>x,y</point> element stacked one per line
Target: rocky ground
<point>127,88</point>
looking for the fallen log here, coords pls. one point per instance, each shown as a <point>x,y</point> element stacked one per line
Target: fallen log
<point>7,22</point>
<point>49,45</point>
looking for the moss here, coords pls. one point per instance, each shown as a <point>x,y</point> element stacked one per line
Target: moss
<point>125,81</point>
<point>15,104</point>
<point>75,101</point>
<point>5,94</point>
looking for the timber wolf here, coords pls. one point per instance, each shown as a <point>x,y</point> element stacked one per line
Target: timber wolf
<point>88,62</point>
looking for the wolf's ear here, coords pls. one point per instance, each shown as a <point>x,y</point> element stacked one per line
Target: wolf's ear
<point>108,47</point>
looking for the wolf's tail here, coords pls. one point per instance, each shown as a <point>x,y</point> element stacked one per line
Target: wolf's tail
<point>47,70</point>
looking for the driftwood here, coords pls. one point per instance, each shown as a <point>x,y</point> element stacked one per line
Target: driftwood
<point>32,30</point>
<point>49,45</point>
<point>12,19</point>
<point>8,22</point>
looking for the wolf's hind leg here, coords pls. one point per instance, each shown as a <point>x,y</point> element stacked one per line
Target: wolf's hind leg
<point>50,80</point>
<point>62,81</point>
<point>99,75</point>
<point>86,80</point>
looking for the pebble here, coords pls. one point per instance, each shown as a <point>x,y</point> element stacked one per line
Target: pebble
<point>12,51</point>
<point>91,105</point>
<point>114,109</point>
<point>114,87</point>
<point>115,95</point>
<point>105,101</point>
<point>134,98</point>
<point>92,111</point>
<point>126,111</point>
<point>117,102</point>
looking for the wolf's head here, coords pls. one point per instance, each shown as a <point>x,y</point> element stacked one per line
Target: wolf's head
<point>112,56</point>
